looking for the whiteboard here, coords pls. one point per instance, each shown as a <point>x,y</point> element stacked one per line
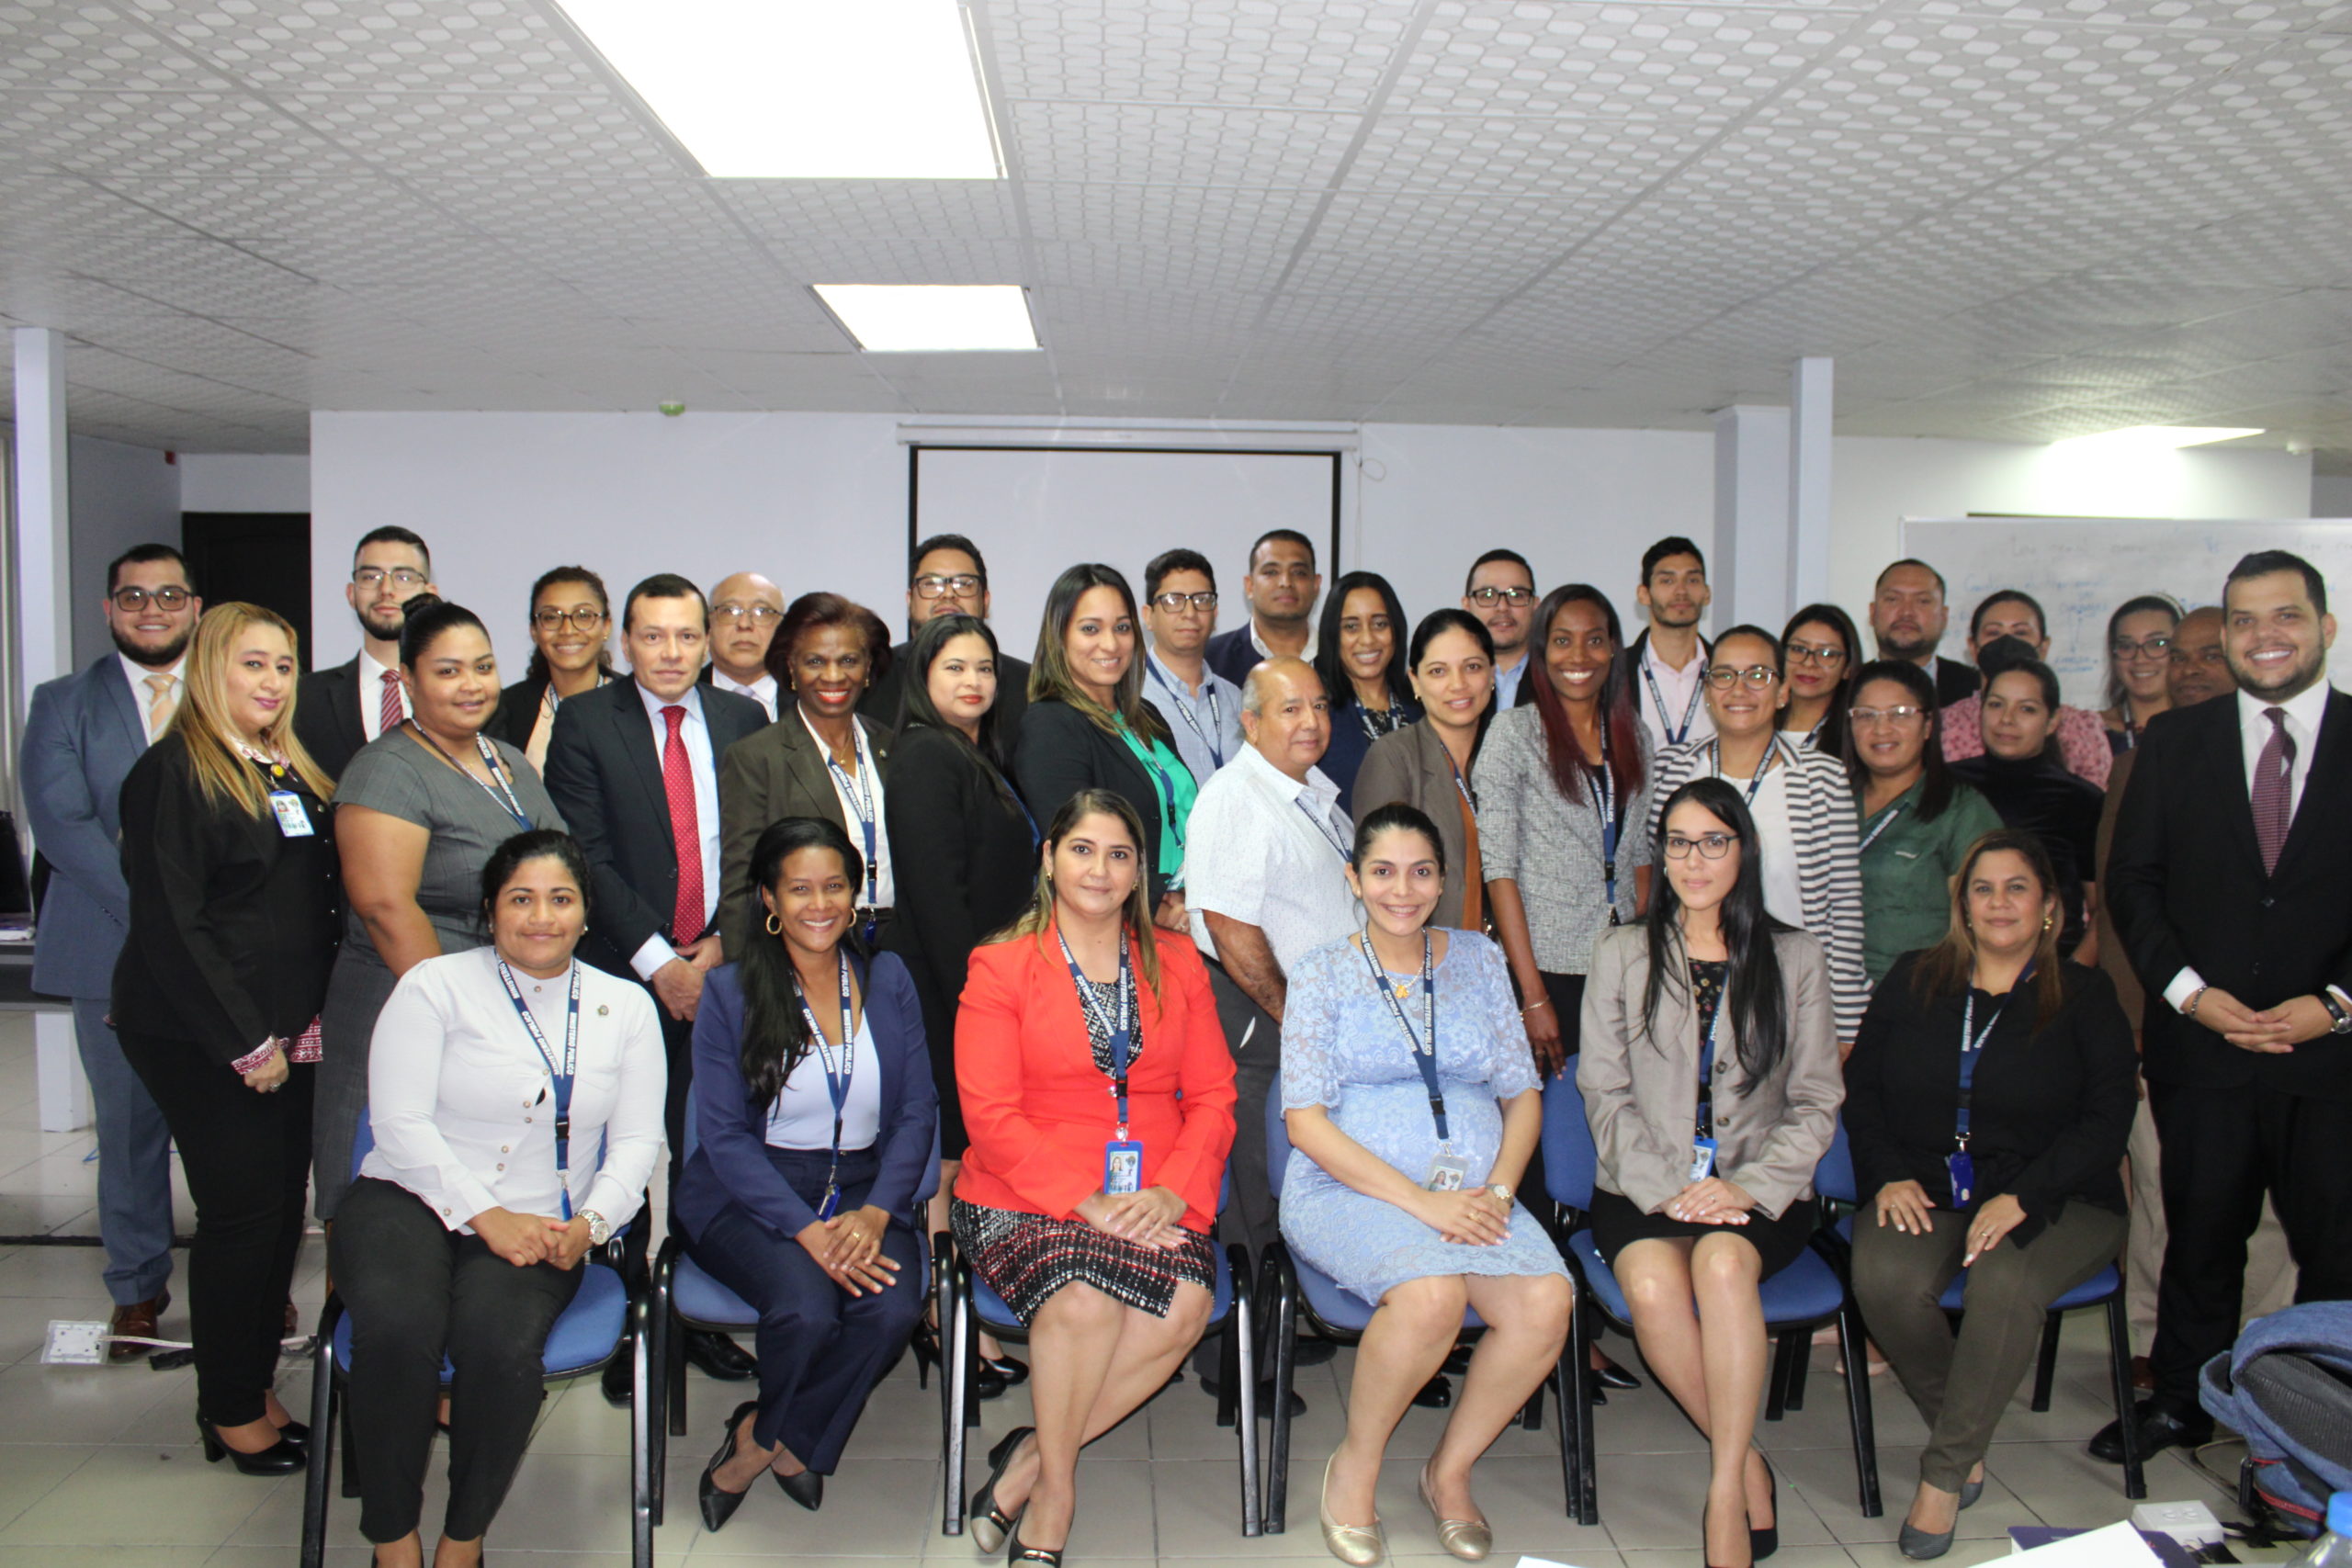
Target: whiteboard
<point>1034,511</point>
<point>2082,568</point>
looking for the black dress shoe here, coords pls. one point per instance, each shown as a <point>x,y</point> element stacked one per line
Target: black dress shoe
<point>281,1457</point>
<point>296,1433</point>
<point>719,1357</point>
<point>620,1377</point>
<point>808,1488</point>
<point>1213,1388</point>
<point>1435,1394</point>
<point>2161,1425</point>
<point>1012,1370</point>
<point>719,1504</point>
<point>1608,1374</point>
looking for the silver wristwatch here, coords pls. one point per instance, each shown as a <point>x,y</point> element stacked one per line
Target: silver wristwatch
<point>1500,1190</point>
<point>600,1229</point>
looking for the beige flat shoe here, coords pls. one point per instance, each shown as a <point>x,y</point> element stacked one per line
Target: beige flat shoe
<point>1351,1544</point>
<point>1469,1540</point>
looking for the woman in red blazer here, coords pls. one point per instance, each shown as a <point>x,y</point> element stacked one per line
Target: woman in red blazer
<point>1091,1223</point>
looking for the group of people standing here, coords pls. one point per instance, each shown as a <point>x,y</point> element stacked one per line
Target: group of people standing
<point>461,960</point>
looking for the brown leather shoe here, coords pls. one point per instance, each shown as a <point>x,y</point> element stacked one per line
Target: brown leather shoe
<point>137,1320</point>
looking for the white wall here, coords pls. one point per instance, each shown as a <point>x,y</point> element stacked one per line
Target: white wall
<point>121,496</point>
<point>2331,495</point>
<point>244,481</point>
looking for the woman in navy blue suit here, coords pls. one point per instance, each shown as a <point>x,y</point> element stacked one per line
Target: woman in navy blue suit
<point>818,1123</point>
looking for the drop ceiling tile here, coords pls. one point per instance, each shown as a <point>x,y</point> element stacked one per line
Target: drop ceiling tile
<point>1155,144</point>
<point>96,47</point>
<point>184,135</point>
<point>587,136</point>
<point>1561,160</point>
<point>1295,54</point>
<point>328,45</point>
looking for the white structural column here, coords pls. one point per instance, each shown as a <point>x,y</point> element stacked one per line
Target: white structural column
<point>1810,385</point>
<point>1750,567</point>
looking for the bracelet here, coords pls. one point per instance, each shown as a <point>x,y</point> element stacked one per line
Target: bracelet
<point>1538,1002</point>
<point>2195,996</point>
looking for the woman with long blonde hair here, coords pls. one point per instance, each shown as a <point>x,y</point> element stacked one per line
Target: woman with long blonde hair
<point>235,901</point>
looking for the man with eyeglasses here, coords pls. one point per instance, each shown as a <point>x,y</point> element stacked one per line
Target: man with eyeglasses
<point>2082,735</point>
<point>744,610</point>
<point>83,735</point>
<point>1280,590</point>
<point>1201,707</point>
<point>949,579</point>
<point>1907,620</point>
<point>1669,657</point>
<point>1501,591</point>
<point>338,711</point>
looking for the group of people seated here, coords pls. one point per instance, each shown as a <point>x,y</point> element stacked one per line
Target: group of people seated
<point>882,941</point>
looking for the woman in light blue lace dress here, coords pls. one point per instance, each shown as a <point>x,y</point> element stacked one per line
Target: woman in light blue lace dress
<point>1419,1222</point>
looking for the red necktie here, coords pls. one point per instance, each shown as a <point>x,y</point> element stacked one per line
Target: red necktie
<point>390,711</point>
<point>685,833</point>
<point>2273,790</point>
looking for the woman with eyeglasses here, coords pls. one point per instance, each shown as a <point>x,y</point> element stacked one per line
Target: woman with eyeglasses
<point>1917,820</point>
<point>2139,657</point>
<point>1801,804</point>
<point>1710,1081</point>
<point>1822,650</point>
<point>570,613</point>
<point>1360,656</point>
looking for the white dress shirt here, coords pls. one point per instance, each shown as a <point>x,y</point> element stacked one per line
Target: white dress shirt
<point>694,735</point>
<point>371,696</point>
<point>1270,851</point>
<point>802,1116</point>
<point>1784,895</point>
<point>463,1106</point>
<point>1684,691</point>
<point>863,791</point>
<point>761,690</point>
<point>1203,722</point>
<point>143,695</point>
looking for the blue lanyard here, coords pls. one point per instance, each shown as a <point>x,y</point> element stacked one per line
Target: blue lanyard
<point>560,1077</point>
<point>1462,784</point>
<point>500,789</point>
<point>1121,1029</point>
<point>1160,776</point>
<point>1971,1045</point>
<point>1612,822</point>
<point>1322,828</point>
<point>1184,709</point>
<point>836,1084</point>
<point>1886,819</point>
<point>1424,1056</point>
<point>860,805</point>
<point>1715,767</point>
<point>1658,697</point>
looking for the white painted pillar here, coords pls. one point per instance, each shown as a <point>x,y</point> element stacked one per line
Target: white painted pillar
<point>1810,387</point>
<point>1750,569</point>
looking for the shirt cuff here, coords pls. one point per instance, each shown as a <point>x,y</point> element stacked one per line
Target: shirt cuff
<point>255,1058</point>
<point>2185,985</point>
<point>656,952</point>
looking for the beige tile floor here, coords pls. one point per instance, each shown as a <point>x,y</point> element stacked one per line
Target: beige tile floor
<point>99,1465</point>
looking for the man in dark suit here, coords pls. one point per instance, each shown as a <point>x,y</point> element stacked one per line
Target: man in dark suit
<point>2229,878</point>
<point>949,579</point>
<point>81,738</point>
<point>338,711</point>
<point>1280,590</point>
<point>1907,619</point>
<point>634,768</point>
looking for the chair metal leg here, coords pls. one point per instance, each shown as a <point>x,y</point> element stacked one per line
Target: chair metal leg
<point>1228,1368</point>
<point>943,1306</point>
<point>1276,1509</point>
<point>1241,1374</point>
<point>642,1420</point>
<point>1850,1342</point>
<point>1776,1398</point>
<point>959,1343</point>
<point>673,1376</point>
<point>323,1416</point>
<point>2119,1355</point>
<point>1799,1364</point>
<point>2045,1370</point>
<point>1561,1383</point>
<point>660,1312</point>
<point>1575,1413</point>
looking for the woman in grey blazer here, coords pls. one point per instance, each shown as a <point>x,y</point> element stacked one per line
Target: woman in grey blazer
<point>1710,1076</point>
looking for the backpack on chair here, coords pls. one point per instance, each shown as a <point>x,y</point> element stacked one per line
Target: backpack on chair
<point>2287,1386</point>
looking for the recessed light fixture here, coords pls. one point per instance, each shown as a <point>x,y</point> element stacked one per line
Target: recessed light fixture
<point>804,89</point>
<point>932,318</point>
<point>2162,437</point>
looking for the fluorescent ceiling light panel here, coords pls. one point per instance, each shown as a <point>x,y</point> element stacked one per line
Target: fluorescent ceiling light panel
<point>2163,437</point>
<point>932,318</point>
<point>804,89</point>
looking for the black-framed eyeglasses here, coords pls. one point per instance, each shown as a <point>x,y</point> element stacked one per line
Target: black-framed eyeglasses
<point>1711,846</point>
<point>932,585</point>
<point>1863,718</point>
<point>1174,602</point>
<point>1761,676</point>
<point>587,620</point>
<point>760,615</point>
<point>2157,647</point>
<point>373,577</point>
<point>1828,655</point>
<point>130,600</point>
<point>1487,598</point>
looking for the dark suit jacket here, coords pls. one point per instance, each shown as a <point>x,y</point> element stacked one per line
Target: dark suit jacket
<point>1350,744</point>
<point>776,772</point>
<point>730,1161</point>
<point>1063,751</point>
<point>518,712</point>
<point>883,698</point>
<point>2185,877</point>
<point>1955,681</point>
<point>326,717</point>
<point>604,774</point>
<point>81,738</point>
<point>1231,654</point>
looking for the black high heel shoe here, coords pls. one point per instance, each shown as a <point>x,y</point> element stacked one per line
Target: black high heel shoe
<point>988,1380</point>
<point>296,1433</point>
<point>1762,1543</point>
<point>281,1457</point>
<point>990,1525</point>
<point>719,1504</point>
<point>1016,1553</point>
<point>808,1488</point>
<point>1013,1370</point>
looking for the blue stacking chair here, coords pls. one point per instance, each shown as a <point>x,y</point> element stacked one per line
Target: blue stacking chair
<point>1341,1316</point>
<point>685,1297</point>
<point>972,1307</point>
<point>582,1339</point>
<point>1802,1297</point>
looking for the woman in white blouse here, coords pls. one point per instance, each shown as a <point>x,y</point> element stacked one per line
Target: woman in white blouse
<point>494,1078</point>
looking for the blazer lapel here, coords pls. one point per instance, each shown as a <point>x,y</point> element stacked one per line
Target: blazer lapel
<point>800,754</point>
<point>2329,760</point>
<point>124,704</point>
<point>635,733</point>
<point>2225,757</point>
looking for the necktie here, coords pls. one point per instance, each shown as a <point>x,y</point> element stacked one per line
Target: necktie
<point>685,833</point>
<point>160,706</point>
<point>2273,793</point>
<point>390,714</point>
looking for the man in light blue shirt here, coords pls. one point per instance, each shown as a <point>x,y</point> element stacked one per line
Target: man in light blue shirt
<point>1201,707</point>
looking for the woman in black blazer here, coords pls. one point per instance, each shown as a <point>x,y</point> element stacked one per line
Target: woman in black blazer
<point>570,617</point>
<point>2023,1192</point>
<point>1360,654</point>
<point>1088,726</point>
<point>235,912</point>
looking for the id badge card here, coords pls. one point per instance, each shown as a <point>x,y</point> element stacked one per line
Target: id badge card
<point>1122,1166</point>
<point>831,1205</point>
<point>293,822</point>
<point>1702,1158</point>
<point>1448,1172</point>
<point>1962,1166</point>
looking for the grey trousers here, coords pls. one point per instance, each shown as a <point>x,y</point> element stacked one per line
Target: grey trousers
<point>134,1162</point>
<point>1962,1382</point>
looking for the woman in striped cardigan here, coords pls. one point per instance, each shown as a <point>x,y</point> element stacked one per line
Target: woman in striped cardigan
<point>1800,800</point>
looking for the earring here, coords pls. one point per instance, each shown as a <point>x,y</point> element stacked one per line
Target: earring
<point>2047,921</point>
<point>775,923</point>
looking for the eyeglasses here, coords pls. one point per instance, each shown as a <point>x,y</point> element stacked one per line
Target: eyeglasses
<point>373,577</point>
<point>1711,846</point>
<point>556,620</point>
<point>2151,647</point>
<point>1761,676</point>
<point>1827,655</point>
<point>759,615</point>
<point>1487,598</point>
<point>130,600</point>
<point>1174,602</point>
<point>1863,718</point>
<point>933,586</point>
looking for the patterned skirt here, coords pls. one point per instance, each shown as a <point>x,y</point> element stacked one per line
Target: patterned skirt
<point>1026,1258</point>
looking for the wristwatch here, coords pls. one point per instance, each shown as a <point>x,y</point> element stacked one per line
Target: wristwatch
<point>600,1230</point>
<point>2335,1010</point>
<point>1501,1189</point>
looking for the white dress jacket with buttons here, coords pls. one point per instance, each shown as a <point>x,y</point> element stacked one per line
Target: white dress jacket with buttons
<point>463,1107</point>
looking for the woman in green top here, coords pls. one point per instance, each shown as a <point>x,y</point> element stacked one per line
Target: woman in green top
<point>1917,820</point>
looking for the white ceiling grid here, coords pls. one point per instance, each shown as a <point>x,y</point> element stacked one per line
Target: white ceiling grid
<point>2006,220</point>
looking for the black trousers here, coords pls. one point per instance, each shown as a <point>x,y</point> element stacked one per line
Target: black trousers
<point>1252,1211</point>
<point>678,1050</point>
<point>2225,1149</point>
<point>247,1156</point>
<point>417,1291</point>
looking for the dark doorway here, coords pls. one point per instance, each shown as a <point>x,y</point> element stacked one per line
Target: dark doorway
<point>262,558</point>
